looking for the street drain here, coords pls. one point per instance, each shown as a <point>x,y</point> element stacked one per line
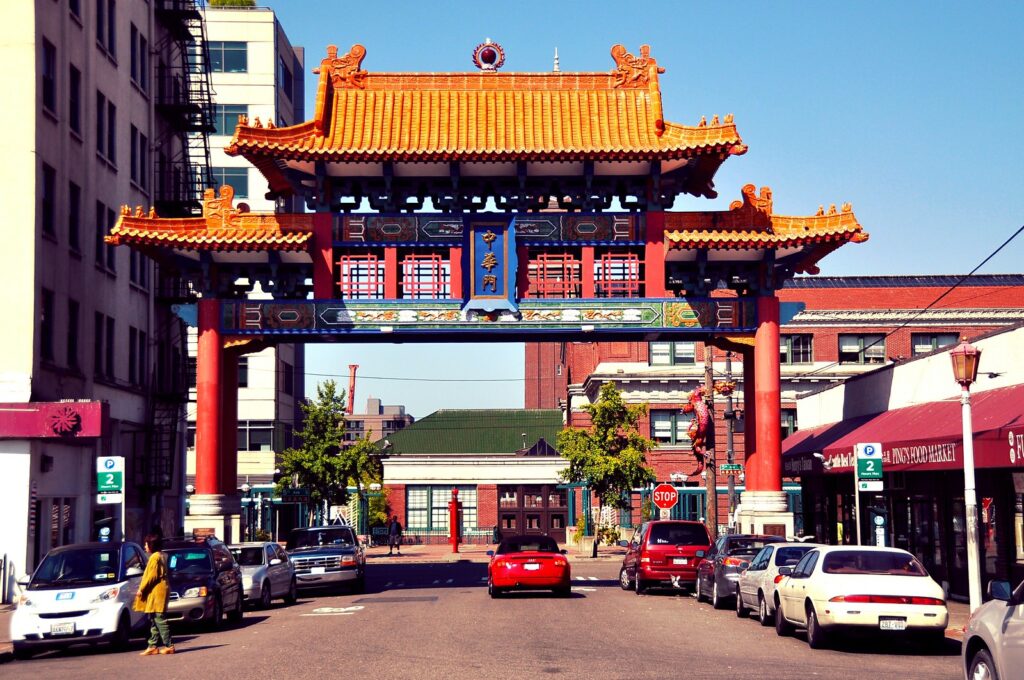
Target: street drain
<point>410,598</point>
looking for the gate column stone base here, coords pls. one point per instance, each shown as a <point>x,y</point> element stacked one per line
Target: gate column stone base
<point>217,512</point>
<point>764,512</point>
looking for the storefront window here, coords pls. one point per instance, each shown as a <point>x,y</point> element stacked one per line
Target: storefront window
<point>989,535</point>
<point>1018,526</point>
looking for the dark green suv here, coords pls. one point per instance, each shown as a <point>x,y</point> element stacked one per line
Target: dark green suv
<point>206,582</point>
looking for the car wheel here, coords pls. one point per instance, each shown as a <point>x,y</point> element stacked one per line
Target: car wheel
<point>624,580</point>
<point>293,593</point>
<point>817,636</point>
<point>762,611</point>
<point>717,601</point>
<point>639,585</point>
<point>21,652</point>
<point>741,610</point>
<point>782,626</point>
<point>122,636</point>
<point>982,667</point>
<point>696,589</point>
<point>216,621</point>
<point>494,592</point>
<point>236,614</point>
<point>265,596</point>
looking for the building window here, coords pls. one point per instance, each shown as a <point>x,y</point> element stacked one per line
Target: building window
<point>108,348</point>
<point>923,343</point>
<point>97,344</point>
<point>138,269</point>
<point>862,349</point>
<point>554,275</point>
<point>617,275</point>
<point>243,371</point>
<point>101,123</point>
<point>133,359</point>
<point>191,373</point>
<point>72,344</point>
<point>74,99</point>
<point>75,7</point>
<point>237,178</point>
<point>255,435</point>
<point>74,217</point>
<point>670,427</point>
<point>678,353</point>
<point>426,276</point>
<point>228,57</point>
<point>106,254</point>
<point>139,157</point>
<point>788,421</point>
<point>225,117</point>
<point>427,507</point>
<point>111,132</point>
<point>49,75</point>
<point>361,277</point>
<point>106,35</point>
<point>48,198</point>
<point>287,378</point>
<point>46,325</point>
<point>139,59</point>
<point>796,349</point>
<point>143,358</point>
<point>285,76</point>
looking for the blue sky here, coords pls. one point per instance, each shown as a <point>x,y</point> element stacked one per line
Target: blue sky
<point>912,111</point>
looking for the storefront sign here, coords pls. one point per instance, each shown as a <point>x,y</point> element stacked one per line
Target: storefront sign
<point>52,420</point>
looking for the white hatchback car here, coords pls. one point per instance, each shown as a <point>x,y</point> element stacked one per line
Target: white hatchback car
<point>870,588</point>
<point>755,589</point>
<point>78,594</point>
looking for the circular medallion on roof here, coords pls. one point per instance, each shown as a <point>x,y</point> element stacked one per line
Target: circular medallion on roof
<point>488,56</point>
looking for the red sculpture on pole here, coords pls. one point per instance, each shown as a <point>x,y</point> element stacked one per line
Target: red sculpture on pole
<point>454,521</point>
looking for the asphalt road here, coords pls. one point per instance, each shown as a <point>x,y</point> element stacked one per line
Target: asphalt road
<point>436,621</point>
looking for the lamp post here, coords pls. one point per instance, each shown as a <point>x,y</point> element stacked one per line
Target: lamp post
<point>248,510</point>
<point>965,370</point>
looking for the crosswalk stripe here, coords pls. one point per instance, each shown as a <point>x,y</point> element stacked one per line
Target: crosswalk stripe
<point>593,578</point>
<point>451,580</point>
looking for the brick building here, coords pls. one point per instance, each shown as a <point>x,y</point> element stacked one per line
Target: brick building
<point>849,326</point>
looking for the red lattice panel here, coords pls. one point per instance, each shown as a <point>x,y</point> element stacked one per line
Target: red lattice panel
<point>554,275</point>
<point>361,277</point>
<point>425,277</point>
<point>617,275</point>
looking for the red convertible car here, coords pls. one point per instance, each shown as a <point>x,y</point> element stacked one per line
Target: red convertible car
<point>528,563</point>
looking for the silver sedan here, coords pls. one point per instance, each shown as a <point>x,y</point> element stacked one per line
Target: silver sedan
<point>267,573</point>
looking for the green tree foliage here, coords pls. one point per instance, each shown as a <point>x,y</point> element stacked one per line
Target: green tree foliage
<point>321,465</point>
<point>232,3</point>
<point>610,455</point>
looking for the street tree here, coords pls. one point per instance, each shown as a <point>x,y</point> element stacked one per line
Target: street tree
<point>610,456</point>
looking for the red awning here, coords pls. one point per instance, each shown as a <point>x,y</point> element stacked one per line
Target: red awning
<point>918,438</point>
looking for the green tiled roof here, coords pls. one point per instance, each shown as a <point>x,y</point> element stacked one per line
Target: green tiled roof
<point>469,431</point>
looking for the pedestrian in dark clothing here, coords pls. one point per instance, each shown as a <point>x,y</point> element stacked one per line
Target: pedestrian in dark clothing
<point>395,535</point>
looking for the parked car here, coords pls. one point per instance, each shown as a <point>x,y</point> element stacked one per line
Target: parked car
<point>663,553</point>
<point>993,645</point>
<point>328,557</point>
<point>859,587</point>
<point>267,573</point>
<point>79,594</point>
<point>528,563</point>
<point>719,571</point>
<point>205,582</point>
<point>755,589</point>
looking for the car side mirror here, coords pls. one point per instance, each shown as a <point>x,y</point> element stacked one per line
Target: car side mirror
<point>564,551</point>
<point>1000,590</point>
<point>744,566</point>
<point>785,571</point>
<point>275,562</point>
<point>700,553</point>
<point>623,544</point>
<point>132,572</point>
<point>23,581</point>
<point>490,553</point>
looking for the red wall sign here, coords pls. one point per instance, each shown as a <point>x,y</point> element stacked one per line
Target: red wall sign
<point>52,420</point>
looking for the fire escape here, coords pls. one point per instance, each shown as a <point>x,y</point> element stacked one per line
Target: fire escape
<point>184,104</point>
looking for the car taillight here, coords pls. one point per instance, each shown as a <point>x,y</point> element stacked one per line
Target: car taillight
<point>561,563</point>
<point>890,599</point>
<point>645,560</point>
<point>732,562</point>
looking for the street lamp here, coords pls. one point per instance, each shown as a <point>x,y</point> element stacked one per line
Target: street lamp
<point>245,488</point>
<point>965,370</point>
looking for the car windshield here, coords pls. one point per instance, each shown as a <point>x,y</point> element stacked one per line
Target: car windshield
<point>787,557</point>
<point>189,562</point>
<point>872,562</point>
<point>248,557</point>
<point>678,534</point>
<point>84,567</point>
<point>543,544</point>
<point>320,537</point>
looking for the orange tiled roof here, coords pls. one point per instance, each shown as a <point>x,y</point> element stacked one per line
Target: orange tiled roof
<point>486,116</point>
<point>750,223</point>
<point>222,227</point>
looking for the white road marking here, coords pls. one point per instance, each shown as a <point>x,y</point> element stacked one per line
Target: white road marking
<point>451,580</point>
<point>388,584</point>
<point>579,578</point>
<point>436,581</point>
<point>593,578</point>
<point>585,589</point>
<point>334,611</point>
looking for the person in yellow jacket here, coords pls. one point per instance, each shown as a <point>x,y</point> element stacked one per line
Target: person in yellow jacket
<point>154,590</point>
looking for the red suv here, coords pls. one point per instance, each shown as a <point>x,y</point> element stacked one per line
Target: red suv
<point>664,553</point>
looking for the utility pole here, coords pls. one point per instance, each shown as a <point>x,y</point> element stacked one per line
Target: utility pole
<point>711,482</point>
<point>730,426</point>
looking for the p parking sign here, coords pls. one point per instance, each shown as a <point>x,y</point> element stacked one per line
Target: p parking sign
<point>110,474</point>
<point>869,460</point>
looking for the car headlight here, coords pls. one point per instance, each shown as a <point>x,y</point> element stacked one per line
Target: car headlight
<point>195,592</point>
<point>23,601</point>
<point>106,595</point>
<point>348,559</point>
<point>246,581</point>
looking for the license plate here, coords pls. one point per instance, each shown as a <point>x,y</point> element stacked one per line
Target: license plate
<point>318,570</point>
<point>66,596</point>
<point>62,629</point>
<point>680,560</point>
<point>892,623</point>
<point>531,567</point>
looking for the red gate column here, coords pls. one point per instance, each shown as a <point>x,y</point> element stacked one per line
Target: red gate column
<point>208,404</point>
<point>749,422</point>
<point>323,256</point>
<point>763,507</point>
<point>229,424</point>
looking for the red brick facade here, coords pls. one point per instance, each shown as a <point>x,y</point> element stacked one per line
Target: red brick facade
<point>396,500</point>
<point>486,505</point>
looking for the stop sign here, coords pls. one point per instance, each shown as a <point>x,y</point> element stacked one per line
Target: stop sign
<point>665,496</point>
